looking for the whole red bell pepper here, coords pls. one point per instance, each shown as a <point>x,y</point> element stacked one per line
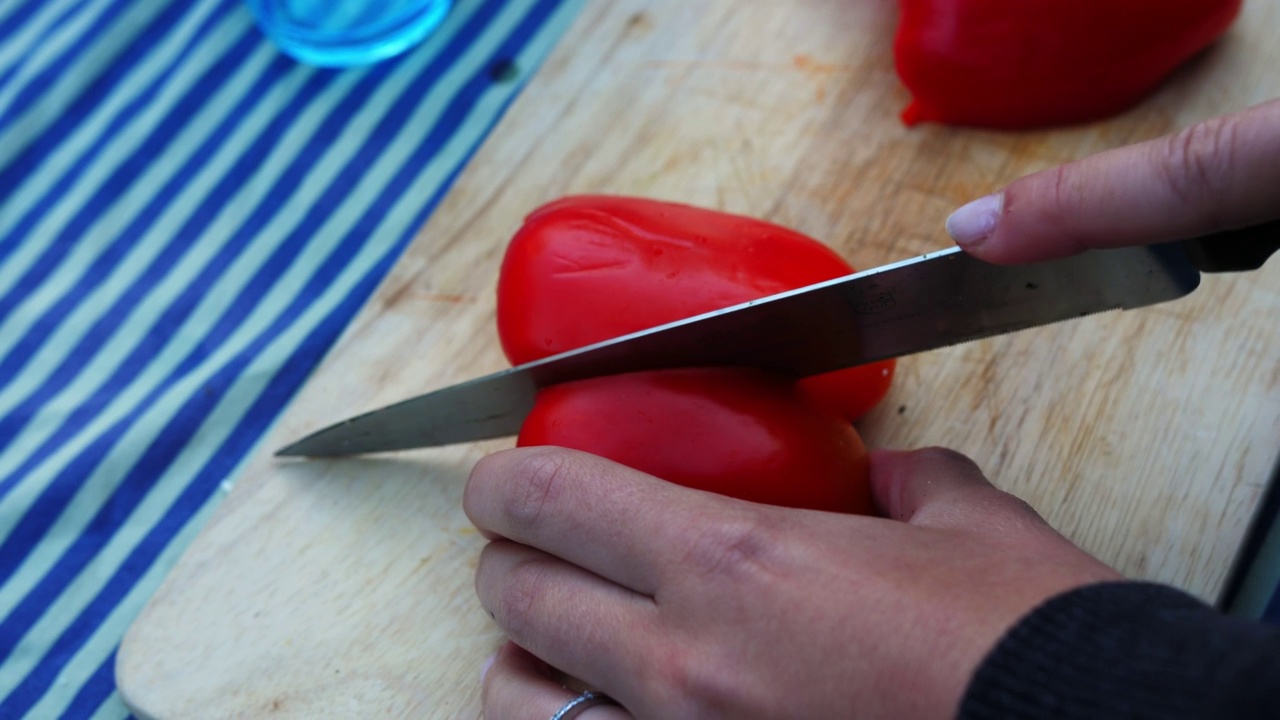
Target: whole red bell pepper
<point>587,269</point>
<point>1014,64</point>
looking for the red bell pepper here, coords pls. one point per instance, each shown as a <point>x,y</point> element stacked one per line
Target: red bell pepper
<point>587,269</point>
<point>737,432</point>
<point>1014,64</point>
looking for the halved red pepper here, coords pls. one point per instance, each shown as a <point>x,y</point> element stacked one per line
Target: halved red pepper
<point>737,432</point>
<point>587,269</point>
<point>1015,64</point>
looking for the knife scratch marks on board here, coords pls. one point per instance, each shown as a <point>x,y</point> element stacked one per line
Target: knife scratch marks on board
<point>638,24</point>
<point>807,64</point>
<point>406,292</point>
<point>799,63</point>
<point>819,72</point>
<point>987,383</point>
<point>396,295</point>
<point>734,65</point>
<point>447,298</point>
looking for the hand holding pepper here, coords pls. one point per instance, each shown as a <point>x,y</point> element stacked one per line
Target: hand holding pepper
<point>685,604</point>
<point>680,603</point>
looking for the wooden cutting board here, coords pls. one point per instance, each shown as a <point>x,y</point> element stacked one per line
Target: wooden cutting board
<point>344,588</point>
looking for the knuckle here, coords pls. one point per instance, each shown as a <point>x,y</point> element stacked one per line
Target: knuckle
<point>539,480</point>
<point>1196,164</point>
<point>491,695</point>
<point>946,457</point>
<point>1023,514</point>
<point>522,593</point>
<point>1017,505</point>
<point>1051,200</point>
<point>688,685</point>
<point>480,473</point>
<point>1065,190</point>
<point>742,546</point>
<point>1009,516</point>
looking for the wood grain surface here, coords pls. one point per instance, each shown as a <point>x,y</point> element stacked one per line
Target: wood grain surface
<point>344,588</point>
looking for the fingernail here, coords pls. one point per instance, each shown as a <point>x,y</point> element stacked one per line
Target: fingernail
<point>488,663</point>
<point>975,222</point>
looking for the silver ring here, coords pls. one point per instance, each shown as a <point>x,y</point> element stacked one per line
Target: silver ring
<point>576,706</point>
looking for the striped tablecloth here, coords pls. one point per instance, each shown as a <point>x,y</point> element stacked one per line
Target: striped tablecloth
<point>188,220</point>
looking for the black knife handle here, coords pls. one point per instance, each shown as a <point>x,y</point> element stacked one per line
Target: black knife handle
<point>1234,250</point>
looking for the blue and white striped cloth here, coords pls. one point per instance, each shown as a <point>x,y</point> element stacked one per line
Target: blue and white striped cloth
<point>188,220</point>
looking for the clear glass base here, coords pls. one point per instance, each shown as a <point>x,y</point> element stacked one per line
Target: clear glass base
<point>347,33</point>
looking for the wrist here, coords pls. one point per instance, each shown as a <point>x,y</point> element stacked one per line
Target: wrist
<point>1114,649</point>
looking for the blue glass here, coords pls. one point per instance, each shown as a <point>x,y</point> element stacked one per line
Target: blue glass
<point>347,33</point>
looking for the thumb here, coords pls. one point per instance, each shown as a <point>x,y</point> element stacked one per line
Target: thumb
<point>1218,175</point>
<point>937,487</point>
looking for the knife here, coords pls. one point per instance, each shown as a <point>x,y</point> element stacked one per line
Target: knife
<point>928,302</point>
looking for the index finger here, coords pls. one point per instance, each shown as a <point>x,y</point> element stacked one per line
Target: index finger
<point>619,523</point>
<point>1217,175</point>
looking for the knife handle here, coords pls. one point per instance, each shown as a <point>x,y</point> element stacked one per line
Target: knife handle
<point>1234,250</point>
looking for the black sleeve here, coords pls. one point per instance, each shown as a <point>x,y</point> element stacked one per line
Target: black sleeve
<point>1129,650</point>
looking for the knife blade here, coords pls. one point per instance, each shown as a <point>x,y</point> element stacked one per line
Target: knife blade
<point>912,306</point>
<point>916,305</point>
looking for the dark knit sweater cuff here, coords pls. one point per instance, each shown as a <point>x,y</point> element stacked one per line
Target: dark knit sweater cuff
<point>1128,650</point>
